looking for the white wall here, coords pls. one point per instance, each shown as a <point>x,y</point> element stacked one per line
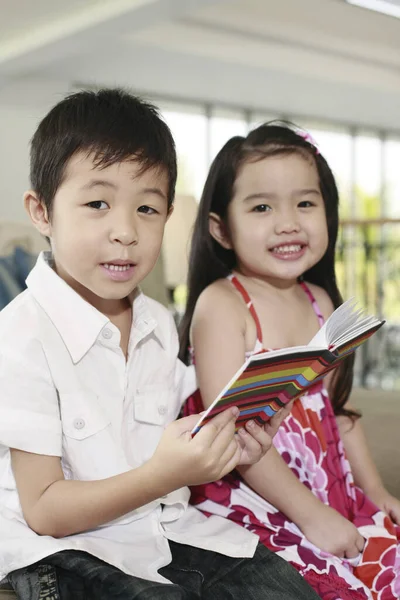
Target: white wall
<point>22,105</point>
<point>16,126</point>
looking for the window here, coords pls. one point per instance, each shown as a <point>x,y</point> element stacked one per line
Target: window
<point>390,267</point>
<point>368,176</point>
<point>225,124</point>
<point>189,128</point>
<point>392,178</point>
<point>336,147</point>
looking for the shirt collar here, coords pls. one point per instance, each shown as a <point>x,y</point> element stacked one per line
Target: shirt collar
<point>76,320</point>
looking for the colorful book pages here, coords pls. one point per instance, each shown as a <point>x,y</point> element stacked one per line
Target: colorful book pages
<point>270,382</point>
<point>352,345</point>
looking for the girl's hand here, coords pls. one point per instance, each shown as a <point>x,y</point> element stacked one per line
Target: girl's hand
<point>386,502</point>
<point>273,424</point>
<point>331,532</point>
<point>255,440</point>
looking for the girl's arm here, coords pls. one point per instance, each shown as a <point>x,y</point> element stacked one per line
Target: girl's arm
<point>323,526</point>
<point>365,473</point>
<point>219,331</point>
<point>218,336</point>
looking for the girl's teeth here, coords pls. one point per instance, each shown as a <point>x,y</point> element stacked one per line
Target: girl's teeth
<point>286,249</point>
<point>117,267</point>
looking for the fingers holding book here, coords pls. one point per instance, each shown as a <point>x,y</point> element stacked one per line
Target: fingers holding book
<point>254,442</point>
<point>272,426</point>
<point>182,460</point>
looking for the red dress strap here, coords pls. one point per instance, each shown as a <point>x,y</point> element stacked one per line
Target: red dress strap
<point>249,303</point>
<point>314,303</point>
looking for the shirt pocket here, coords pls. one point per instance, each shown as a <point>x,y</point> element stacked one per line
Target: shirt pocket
<point>89,448</point>
<point>155,404</point>
<point>154,407</point>
<point>82,415</point>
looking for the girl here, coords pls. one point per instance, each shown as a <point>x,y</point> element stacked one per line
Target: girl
<point>262,276</point>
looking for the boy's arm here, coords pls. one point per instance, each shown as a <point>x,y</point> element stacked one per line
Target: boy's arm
<point>57,507</point>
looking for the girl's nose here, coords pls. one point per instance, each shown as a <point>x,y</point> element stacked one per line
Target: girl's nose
<point>287,224</point>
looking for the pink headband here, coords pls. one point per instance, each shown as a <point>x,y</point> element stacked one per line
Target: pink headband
<point>309,138</point>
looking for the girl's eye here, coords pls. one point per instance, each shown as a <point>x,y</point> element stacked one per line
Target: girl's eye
<point>147,210</point>
<point>306,204</point>
<point>98,204</point>
<point>262,208</point>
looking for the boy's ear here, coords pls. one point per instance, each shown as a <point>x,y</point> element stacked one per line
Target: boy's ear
<point>218,230</point>
<point>37,213</point>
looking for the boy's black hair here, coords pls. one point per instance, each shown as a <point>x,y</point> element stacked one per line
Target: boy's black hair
<point>209,261</point>
<point>110,124</point>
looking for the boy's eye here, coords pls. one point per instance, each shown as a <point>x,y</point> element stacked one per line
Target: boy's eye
<point>262,208</point>
<point>147,210</point>
<point>98,204</point>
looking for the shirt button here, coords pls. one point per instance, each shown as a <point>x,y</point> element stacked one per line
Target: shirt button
<point>162,409</point>
<point>79,423</point>
<point>107,333</point>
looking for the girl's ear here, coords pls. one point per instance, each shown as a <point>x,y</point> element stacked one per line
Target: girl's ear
<point>219,231</point>
<point>37,213</point>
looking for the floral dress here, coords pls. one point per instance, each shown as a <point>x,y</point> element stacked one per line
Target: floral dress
<point>310,443</point>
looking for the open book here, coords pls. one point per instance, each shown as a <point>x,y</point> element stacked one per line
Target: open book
<point>269,380</point>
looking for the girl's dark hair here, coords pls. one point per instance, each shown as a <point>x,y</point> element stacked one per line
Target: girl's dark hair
<point>111,124</point>
<point>209,261</point>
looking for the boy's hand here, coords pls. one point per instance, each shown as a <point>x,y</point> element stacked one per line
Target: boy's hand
<point>386,502</point>
<point>331,532</point>
<point>214,451</point>
<point>255,440</point>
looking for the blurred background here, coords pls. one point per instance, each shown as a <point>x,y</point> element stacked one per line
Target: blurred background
<point>217,68</point>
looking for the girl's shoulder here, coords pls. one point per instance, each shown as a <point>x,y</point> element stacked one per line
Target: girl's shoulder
<point>322,298</point>
<point>220,301</point>
<point>220,292</point>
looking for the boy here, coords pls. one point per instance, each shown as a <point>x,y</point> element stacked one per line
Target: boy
<point>93,470</point>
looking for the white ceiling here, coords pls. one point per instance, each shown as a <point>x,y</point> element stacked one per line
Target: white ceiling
<point>317,57</point>
<point>19,18</point>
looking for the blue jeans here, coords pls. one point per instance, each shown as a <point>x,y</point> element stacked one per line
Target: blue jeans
<point>195,573</point>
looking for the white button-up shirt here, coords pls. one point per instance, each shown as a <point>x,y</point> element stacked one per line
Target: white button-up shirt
<point>66,390</point>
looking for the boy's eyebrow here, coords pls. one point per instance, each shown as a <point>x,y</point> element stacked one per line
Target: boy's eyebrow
<point>156,191</point>
<point>104,183</point>
<point>95,182</point>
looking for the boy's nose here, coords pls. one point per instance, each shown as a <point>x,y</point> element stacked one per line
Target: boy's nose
<point>125,233</point>
<point>126,238</point>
